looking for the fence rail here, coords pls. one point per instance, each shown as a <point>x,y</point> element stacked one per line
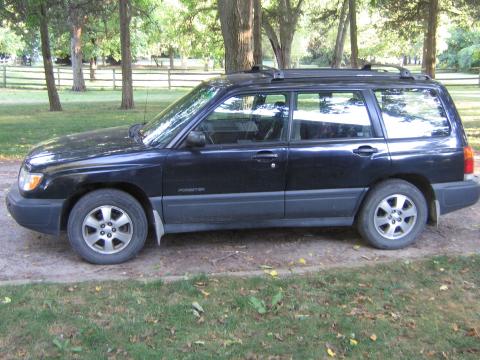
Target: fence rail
<point>111,78</point>
<point>108,78</point>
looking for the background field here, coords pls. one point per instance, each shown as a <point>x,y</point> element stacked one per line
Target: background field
<point>25,119</point>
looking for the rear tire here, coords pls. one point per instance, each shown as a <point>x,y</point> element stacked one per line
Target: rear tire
<point>107,227</point>
<point>393,215</point>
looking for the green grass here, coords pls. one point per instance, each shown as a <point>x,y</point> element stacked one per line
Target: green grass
<point>25,119</point>
<point>412,310</point>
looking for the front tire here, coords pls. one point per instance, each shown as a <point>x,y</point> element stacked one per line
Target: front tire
<point>107,226</point>
<point>393,215</point>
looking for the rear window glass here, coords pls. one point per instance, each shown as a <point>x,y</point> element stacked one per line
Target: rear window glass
<point>409,113</point>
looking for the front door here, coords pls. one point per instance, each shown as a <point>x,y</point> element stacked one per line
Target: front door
<point>240,174</point>
<point>336,152</point>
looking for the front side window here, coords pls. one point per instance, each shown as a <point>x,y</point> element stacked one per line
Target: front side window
<point>247,119</point>
<point>175,117</point>
<point>330,115</point>
<point>409,113</point>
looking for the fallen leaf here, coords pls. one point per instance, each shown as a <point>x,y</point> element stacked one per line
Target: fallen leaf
<point>473,332</point>
<point>331,353</point>
<point>353,342</point>
<point>373,337</point>
<point>267,267</point>
<point>272,273</point>
<point>356,247</point>
<point>302,261</point>
<point>204,293</point>
<point>199,342</point>
<point>98,288</point>
<point>6,300</point>
<point>455,327</point>
<point>197,307</point>
<point>443,288</point>
<point>278,337</point>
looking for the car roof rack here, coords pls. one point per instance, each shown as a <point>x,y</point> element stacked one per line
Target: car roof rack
<point>368,70</point>
<point>276,74</point>
<point>404,73</point>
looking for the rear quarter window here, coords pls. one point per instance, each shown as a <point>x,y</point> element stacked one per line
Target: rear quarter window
<point>410,113</point>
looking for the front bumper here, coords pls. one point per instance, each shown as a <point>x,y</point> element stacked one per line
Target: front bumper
<point>42,215</point>
<point>457,195</point>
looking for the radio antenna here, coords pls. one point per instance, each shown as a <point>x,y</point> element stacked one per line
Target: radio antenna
<point>145,109</point>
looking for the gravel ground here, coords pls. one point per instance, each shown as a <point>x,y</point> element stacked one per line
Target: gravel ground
<point>27,256</point>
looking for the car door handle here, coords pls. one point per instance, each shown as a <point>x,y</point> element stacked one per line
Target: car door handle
<point>265,156</point>
<point>365,150</point>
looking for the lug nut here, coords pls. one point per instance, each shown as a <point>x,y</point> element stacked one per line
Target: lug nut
<point>102,226</point>
<point>109,235</point>
<point>102,232</point>
<point>393,221</point>
<point>109,224</point>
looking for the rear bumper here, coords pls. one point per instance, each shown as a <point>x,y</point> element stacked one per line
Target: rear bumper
<point>42,215</point>
<point>452,196</point>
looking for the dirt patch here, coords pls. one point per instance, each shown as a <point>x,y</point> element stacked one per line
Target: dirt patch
<point>32,257</point>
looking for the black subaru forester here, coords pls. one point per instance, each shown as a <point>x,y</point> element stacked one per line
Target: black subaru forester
<point>384,150</point>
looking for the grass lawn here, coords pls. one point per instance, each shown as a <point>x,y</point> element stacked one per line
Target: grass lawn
<point>406,310</point>
<point>25,119</point>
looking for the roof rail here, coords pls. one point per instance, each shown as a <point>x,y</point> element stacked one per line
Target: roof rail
<point>404,73</point>
<point>366,71</point>
<point>267,70</point>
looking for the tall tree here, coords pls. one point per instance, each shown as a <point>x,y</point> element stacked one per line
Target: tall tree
<point>34,15</point>
<point>343,22</point>
<point>76,22</point>
<point>257,32</point>
<point>431,38</point>
<point>280,22</point>
<point>53,97</point>
<point>352,5</point>
<point>125,11</point>
<point>236,20</point>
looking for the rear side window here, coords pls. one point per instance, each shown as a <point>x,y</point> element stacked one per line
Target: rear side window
<point>330,115</point>
<point>409,113</point>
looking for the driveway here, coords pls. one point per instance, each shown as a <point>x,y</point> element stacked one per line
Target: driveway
<point>26,256</point>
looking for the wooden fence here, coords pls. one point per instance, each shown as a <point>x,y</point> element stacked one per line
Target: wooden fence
<point>111,78</point>
<point>105,78</point>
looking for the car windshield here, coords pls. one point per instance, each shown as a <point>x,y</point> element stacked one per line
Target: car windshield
<point>162,129</point>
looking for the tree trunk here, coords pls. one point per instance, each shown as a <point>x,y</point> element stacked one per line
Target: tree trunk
<point>287,22</point>
<point>76,55</point>
<point>171,57</point>
<point>431,39</point>
<point>341,32</point>
<point>353,34</point>
<point>93,68</point>
<point>257,32</point>
<point>53,98</point>
<point>274,41</point>
<point>424,48</point>
<point>127,83</point>
<point>236,20</point>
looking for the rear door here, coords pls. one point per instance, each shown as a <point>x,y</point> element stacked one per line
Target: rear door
<point>420,136</point>
<point>337,150</point>
<point>240,174</point>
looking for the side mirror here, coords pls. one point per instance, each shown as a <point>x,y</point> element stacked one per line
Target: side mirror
<point>196,139</point>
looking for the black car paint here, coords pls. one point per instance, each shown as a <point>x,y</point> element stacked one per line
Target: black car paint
<point>312,183</point>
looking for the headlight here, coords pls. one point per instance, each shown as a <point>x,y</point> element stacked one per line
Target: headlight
<point>28,181</point>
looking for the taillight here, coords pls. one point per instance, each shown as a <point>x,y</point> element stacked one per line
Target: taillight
<point>468,160</point>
